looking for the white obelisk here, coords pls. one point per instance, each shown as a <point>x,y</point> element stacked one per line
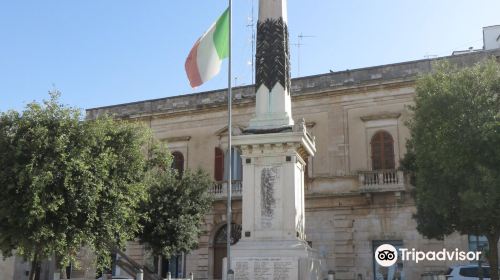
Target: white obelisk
<point>272,73</point>
<point>274,153</point>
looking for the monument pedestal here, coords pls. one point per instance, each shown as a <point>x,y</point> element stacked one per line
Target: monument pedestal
<point>272,260</point>
<point>273,243</point>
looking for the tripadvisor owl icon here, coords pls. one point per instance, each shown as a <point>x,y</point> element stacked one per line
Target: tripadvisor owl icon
<point>386,255</point>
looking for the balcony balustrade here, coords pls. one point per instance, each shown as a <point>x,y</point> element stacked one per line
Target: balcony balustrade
<point>382,181</point>
<point>219,189</point>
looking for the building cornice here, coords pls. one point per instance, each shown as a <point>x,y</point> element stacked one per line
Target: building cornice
<point>335,83</point>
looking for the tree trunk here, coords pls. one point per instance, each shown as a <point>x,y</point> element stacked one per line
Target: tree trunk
<point>62,273</point>
<point>160,265</point>
<point>61,269</point>
<point>65,273</point>
<point>493,254</point>
<point>35,264</point>
<point>38,271</point>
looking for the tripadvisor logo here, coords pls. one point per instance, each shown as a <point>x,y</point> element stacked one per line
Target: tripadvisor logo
<point>387,255</point>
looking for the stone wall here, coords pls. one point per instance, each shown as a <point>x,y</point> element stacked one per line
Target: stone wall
<point>7,268</point>
<point>343,231</point>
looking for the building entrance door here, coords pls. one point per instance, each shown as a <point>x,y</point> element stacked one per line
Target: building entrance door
<point>220,250</point>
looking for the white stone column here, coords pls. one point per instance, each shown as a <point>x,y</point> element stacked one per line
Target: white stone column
<point>273,106</point>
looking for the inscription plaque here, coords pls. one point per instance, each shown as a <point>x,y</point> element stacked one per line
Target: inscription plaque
<point>269,177</point>
<point>262,268</point>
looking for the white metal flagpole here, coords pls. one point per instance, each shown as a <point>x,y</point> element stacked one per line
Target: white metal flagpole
<point>229,145</point>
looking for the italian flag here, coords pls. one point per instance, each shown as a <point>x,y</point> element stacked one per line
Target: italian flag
<point>205,59</point>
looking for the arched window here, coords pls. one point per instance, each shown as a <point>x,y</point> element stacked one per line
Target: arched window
<point>221,235</point>
<point>178,162</point>
<point>219,165</point>
<point>382,146</point>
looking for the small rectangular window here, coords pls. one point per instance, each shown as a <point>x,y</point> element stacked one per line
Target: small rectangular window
<point>477,243</point>
<point>219,165</point>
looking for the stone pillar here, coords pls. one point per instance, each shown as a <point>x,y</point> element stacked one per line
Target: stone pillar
<point>273,238</point>
<point>273,205</point>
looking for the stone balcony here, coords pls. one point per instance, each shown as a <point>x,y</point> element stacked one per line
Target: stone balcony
<point>382,181</point>
<point>219,190</point>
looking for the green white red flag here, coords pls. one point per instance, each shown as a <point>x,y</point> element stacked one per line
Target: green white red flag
<point>205,59</point>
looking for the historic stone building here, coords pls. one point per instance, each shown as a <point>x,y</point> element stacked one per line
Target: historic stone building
<point>356,197</point>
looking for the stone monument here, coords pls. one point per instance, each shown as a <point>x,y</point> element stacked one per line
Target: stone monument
<point>274,154</point>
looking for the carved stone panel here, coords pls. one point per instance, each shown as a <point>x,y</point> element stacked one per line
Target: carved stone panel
<point>269,179</point>
<point>265,268</point>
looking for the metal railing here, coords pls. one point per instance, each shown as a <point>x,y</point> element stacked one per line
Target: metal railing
<point>130,266</point>
<point>219,189</point>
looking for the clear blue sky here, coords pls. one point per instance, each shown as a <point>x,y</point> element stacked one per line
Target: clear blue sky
<point>105,52</point>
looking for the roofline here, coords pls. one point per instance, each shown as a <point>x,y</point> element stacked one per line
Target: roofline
<point>496,25</point>
<point>168,97</point>
<point>297,79</point>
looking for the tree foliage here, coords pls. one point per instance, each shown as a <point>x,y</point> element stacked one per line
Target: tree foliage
<point>174,209</point>
<point>454,152</point>
<point>67,183</point>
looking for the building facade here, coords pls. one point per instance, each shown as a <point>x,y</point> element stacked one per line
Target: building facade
<point>356,196</point>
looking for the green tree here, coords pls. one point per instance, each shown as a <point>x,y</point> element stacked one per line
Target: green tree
<point>66,183</point>
<point>454,153</point>
<point>173,212</point>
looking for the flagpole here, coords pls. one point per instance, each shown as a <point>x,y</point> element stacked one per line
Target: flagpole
<point>229,144</point>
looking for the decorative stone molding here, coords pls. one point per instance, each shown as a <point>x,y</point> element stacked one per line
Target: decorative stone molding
<point>179,144</point>
<point>300,126</point>
<point>177,139</point>
<point>381,116</point>
<point>276,142</point>
<point>237,130</point>
<point>397,75</point>
<point>292,149</point>
<point>310,124</point>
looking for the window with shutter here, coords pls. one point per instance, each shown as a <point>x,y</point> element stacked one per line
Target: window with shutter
<point>219,165</point>
<point>178,162</point>
<point>382,146</point>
